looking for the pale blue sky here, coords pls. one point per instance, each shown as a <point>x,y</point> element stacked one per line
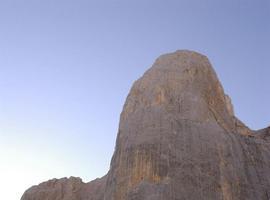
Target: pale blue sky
<point>66,68</point>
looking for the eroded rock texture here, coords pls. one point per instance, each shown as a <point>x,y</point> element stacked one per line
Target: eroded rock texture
<point>67,189</point>
<point>178,139</point>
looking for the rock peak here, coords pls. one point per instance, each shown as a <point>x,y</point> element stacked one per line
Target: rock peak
<point>184,84</point>
<point>178,138</point>
<point>181,59</point>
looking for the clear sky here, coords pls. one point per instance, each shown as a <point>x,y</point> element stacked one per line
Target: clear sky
<point>66,67</point>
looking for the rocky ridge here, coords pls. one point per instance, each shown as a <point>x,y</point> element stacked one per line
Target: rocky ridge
<point>178,139</point>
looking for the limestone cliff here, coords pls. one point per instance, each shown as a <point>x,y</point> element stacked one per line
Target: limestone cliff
<point>178,139</point>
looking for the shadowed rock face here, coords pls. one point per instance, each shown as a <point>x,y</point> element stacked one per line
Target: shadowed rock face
<point>178,139</point>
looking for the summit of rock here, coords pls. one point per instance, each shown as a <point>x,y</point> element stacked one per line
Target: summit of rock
<point>178,139</point>
<point>184,84</point>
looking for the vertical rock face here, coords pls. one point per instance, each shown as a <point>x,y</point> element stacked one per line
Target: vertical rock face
<point>179,139</point>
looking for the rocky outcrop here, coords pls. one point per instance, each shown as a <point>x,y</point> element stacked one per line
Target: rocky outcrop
<point>67,189</point>
<point>178,139</point>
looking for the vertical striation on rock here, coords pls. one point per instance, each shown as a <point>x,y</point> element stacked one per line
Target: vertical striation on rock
<point>178,139</point>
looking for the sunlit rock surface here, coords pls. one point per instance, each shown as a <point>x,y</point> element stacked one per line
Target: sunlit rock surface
<point>178,139</point>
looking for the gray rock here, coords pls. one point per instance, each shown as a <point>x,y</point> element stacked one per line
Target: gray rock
<point>178,139</point>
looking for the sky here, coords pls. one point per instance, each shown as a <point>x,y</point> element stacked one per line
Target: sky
<point>66,67</point>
